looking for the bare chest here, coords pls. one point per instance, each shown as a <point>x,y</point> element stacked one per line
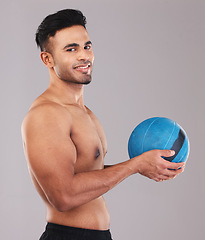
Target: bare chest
<point>90,142</point>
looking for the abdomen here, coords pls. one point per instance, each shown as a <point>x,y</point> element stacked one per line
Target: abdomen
<point>93,215</point>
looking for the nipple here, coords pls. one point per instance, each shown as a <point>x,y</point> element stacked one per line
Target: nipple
<point>97,153</point>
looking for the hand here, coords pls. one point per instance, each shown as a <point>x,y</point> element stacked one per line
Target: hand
<point>153,166</point>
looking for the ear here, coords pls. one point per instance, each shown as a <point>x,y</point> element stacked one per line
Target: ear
<point>47,59</point>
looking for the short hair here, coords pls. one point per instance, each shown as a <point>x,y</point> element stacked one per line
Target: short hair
<point>57,21</point>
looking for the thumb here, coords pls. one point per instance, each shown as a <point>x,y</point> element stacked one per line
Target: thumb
<point>167,153</point>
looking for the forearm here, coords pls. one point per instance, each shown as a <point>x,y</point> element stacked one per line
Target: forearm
<point>82,188</point>
<point>90,185</point>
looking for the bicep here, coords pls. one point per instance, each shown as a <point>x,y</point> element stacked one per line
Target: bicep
<point>51,153</point>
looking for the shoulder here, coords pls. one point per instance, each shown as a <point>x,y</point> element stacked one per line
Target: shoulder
<point>92,115</point>
<point>94,118</point>
<point>46,115</point>
<point>97,122</point>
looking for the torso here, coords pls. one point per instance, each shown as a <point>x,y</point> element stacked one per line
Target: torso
<point>89,139</point>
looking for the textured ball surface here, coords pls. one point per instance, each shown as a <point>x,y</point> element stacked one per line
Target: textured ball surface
<point>159,133</point>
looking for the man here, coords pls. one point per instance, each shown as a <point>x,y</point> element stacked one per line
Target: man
<point>65,144</point>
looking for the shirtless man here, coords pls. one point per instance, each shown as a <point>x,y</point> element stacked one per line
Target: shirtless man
<point>65,144</point>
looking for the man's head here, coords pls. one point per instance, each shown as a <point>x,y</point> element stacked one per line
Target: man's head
<point>66,48</point>
<point>55,22</point>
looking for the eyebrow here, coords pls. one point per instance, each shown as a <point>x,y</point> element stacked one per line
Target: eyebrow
<point>76,44</point>
<point>88,43</point>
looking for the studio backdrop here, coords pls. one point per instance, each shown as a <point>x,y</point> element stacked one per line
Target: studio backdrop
<point>149,61</point>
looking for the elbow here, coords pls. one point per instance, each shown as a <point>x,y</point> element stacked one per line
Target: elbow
<point>62,203</point>
<point>61,206</point>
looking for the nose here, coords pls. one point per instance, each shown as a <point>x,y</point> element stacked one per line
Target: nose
<point>83,55</point>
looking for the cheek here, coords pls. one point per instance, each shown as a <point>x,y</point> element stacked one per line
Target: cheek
<point>63,69</point>
<point>91,57</point>
<point>62,65</point>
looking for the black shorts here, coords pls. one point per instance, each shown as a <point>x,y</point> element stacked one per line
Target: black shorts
<point>60,232</point>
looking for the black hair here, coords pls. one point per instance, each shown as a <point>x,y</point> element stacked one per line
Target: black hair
<point>57,21</point>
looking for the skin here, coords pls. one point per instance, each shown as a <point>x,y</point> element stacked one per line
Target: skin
<point>65,144</point>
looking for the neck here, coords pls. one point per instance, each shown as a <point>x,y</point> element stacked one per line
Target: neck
<point>65,93</point>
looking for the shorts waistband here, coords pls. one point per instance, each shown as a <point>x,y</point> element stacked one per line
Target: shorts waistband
<point>54,226</point>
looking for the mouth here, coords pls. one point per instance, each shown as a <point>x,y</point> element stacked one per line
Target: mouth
<point>84,68</point>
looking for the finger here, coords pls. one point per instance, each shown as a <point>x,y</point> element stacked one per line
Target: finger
<point>172,165</point>
<point>158,179</point>
<point>167,153</point>
<point>177,171</point>
<point>175,166</point>
<point>169,173</point>
<point>167,177</point>
<point>172,174</point>
<point>163,178</point>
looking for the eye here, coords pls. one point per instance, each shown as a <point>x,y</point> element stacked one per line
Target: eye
<point>70,50</point>
<point>87,47</point>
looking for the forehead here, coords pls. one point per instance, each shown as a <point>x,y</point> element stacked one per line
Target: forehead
<point>75,34</point>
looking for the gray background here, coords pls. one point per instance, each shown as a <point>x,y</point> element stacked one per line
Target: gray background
<point>149,61</point>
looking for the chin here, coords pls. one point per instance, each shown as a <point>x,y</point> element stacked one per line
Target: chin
<point>83,83</point>
<point>86,80</point>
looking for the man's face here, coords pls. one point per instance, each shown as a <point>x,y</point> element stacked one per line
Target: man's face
<point>71,49</point>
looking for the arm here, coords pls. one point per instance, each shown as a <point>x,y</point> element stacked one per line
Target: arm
<point>106,166</point>
<point>52,155</point>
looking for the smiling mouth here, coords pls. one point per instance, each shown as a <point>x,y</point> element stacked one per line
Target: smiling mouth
<point>83,67</point>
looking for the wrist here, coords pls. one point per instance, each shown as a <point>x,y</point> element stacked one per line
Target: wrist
<point>133,165</point>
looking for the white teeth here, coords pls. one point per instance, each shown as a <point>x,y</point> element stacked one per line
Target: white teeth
<point>84,66</point>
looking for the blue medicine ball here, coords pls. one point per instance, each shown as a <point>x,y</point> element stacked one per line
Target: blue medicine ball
<point>159,133</point>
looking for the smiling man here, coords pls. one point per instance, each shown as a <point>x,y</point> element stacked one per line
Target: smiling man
<point>65,144</point>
